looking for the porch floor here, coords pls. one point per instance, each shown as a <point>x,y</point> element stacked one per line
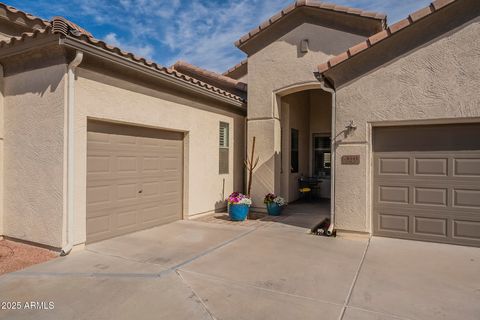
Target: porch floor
<point>301,214</point>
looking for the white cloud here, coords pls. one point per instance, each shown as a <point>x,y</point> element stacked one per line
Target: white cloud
<point>143,50</point>
<point>204,32</point>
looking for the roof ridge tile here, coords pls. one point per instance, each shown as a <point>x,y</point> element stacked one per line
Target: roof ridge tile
<point>27,15</point>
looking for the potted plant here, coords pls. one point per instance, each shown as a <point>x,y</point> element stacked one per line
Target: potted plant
<point>238,206</point>
<point>274,204</point>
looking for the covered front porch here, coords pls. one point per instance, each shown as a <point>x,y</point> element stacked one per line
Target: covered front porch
<point>306,148</point>
<point>301,214</point>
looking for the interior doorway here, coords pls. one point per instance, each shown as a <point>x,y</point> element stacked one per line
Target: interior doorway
<point>322,162</point>
<point>306,125</point>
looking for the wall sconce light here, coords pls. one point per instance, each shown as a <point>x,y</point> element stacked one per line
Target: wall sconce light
<point>304,46</point>
<point>350,127</point>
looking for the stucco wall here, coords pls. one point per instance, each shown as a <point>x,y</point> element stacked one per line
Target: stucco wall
<point>2,102</point>
<point>281,64</point>
<point>271,70</point>
<point>438,82</point>
<point>102,97</point>
<point>34,155</point>
<point>7,30</point>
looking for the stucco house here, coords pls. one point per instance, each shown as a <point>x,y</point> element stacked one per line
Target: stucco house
<point>97,142</point>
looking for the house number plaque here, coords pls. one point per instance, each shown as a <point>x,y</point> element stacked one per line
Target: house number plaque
<point>351,159</point>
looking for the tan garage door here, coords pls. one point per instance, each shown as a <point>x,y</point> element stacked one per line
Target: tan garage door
<point>427,183</point>
<point>134,179</point>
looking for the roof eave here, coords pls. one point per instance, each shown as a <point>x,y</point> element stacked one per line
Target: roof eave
<point>21,45</point>
<point>76,44</point>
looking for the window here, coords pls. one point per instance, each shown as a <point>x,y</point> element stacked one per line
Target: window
<point>322,155</point>
<point>224,136</point>
<point>294,150</point>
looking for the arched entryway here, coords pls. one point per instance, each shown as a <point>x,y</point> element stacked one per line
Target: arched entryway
<point>306,155</point>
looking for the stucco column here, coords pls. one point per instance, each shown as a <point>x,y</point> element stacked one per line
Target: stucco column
<point>266,177</point>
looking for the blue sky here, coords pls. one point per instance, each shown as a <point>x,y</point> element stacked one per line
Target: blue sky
<point>201,32</point>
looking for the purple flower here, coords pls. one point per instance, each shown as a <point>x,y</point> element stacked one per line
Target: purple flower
<point>235,197</point>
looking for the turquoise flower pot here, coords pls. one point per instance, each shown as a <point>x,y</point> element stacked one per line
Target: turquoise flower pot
<point>238,212</point>
<point>274,209</point>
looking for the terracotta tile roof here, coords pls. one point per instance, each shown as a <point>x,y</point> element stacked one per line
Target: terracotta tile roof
<point>308,3</point>
<point>27,16</point>
<point>24,36</point>
<point>64,27</point>
<point>211,77</point>
<point>235,67</point>
<point>382,35</point>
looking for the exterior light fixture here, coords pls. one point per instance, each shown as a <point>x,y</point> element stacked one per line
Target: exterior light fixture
<point>304,46</point>
<point>350,126</point>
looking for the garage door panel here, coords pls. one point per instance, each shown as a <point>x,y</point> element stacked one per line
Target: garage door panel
<point>431,166</point>
<point>151,164</point>
<point>467,167</point>
<point>430,196</point>
<point>466,230</point>
<point>393,194</point>
<point>126,164</point>
<point>127,191</point>
<point>430,226</point>
<point>132,181</point>
<point>466,198</point>
<point>393,166</point>
<point>126,219</point>
<point>427,187</point>
<point>392,223</point>
<point>99,225</point>
<point>99,195</point>
<point>99,164</point>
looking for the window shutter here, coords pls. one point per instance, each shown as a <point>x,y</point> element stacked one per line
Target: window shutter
<point>223,135</point>
<point>223,147</point>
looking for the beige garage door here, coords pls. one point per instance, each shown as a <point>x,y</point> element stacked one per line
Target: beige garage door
<point>134,179</point>
<point>427,183</point>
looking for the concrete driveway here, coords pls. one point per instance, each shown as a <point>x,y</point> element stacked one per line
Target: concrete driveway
<point>197,270</point>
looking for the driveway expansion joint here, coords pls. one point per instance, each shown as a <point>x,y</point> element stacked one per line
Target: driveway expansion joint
<point>160,274</point>
<point>355,278</point>
<point>241,284</point>
<point>212,249</point>
<point>210,313</point>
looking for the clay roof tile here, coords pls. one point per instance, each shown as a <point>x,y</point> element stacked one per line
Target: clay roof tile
<point>384,34</point>
<point>309,3</point>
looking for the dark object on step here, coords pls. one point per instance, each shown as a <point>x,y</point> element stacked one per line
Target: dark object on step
<point>321,227</point>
